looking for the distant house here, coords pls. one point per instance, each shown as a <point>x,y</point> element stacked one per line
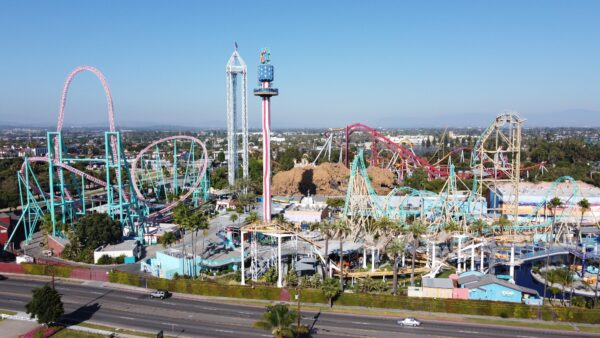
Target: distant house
<point>437,287</point>
<point>5,228</point>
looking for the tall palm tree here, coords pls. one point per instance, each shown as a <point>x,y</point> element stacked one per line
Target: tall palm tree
<point>279,320</point>
<point>374,229</point>
<point>395,249</point>
<point>555,202</point>
<point>327,231</point>
<point>341,229</point>
<point>584,205</point>
<point>416,229</point>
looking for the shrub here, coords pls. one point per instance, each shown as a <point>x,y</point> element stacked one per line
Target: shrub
<point>105,260</point>
<point>124,278</point>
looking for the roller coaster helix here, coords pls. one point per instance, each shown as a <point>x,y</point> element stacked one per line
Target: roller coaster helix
<point>120,192</point>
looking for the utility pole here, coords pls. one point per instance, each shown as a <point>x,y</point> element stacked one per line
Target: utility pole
<point>298,314</point>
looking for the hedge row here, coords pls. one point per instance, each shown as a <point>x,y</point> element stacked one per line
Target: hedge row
<point>485,308</point>
<point>124,278</point>
<point>214,289</point>
<point>39,269</point>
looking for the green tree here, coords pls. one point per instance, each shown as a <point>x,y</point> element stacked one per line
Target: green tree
<point>46,305</point>
<point>417,180</point>
<point>584,205</point>
<point>251,218</point>
<point>330,289</point>
<point>167,239</point>
<point>94,230</point>
<point>233,217</point>
<point>416,230</point>
<point>335,202</point>
<point>327,231</point>
<point>291,278</point>
<point>341,229</point>
<point>395,249</point>
<point>279,320</point>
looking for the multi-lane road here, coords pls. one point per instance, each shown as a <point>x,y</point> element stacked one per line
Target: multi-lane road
<point>201,318</point>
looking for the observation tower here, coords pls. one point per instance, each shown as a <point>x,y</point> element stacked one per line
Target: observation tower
<point>265,77</point>
<point>236,67</point>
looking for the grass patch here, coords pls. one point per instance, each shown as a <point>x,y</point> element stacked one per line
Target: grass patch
<point>121,331</point>
<point>589,328</point>
<point>67,333</point>
<point>446,273</point>
<point>7,312</point>
<point>533,325</point>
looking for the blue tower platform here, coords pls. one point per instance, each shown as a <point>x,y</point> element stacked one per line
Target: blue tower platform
<point>266,75</point>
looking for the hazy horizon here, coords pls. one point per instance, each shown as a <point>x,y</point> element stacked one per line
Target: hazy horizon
<point>385,64</point>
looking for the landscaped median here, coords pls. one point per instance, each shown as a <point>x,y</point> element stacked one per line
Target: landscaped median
<point>383,301</point>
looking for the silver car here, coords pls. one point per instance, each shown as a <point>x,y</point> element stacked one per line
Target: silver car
<point>409,321</point>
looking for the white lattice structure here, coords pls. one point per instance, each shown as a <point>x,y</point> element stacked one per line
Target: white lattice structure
<point>236,66</point>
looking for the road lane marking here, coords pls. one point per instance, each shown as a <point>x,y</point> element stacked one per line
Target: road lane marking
<point>464,331</point>
<point>226,331</point>
<point>361,323</point>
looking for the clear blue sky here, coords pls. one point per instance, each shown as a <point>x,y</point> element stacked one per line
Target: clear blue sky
<point>394,64</point>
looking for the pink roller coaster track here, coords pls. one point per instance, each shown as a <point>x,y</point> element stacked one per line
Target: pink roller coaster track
<point>111,122</point>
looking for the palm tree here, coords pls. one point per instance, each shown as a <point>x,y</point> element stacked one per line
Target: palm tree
<point>233,217</point>
<point>478,227</point>
<point>167,239</point>
<point>555,202</point>
<point>584,205</point>
<point>251,218</point>
<point>279,320</point>
<point>375,229</point>
<point>395,249</point>
<point>451,227</point>
<point>330,289</point>
<point>416,229</point>
<point>341,229</point>
<point>327,231</point>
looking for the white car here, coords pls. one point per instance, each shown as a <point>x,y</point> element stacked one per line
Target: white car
<point>159,294</point>
<point>409,322</point>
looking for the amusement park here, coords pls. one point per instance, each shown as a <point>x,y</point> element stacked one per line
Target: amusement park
<point>365,213</point>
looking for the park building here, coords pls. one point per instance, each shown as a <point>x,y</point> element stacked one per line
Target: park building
<point>536,197</point>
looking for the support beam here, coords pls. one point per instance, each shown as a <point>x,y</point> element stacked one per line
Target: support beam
<point>458,270</point>
<point>279,267</point>
<point>512,262</point>
<point>473,257</point>
<point>481,258</point>
<point>372,259</point>
<point>243,270</point>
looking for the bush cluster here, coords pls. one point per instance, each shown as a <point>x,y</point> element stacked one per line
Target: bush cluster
<point>107,260</point>
<point>39,269</point>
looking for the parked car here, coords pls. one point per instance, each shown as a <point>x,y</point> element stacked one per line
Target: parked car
<point>409,322</point>
<point>162,294</point>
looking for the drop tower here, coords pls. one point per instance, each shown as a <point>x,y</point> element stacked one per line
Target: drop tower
<point>265,77</point>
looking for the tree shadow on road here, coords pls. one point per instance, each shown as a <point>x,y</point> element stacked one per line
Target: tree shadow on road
<point>80,315</point>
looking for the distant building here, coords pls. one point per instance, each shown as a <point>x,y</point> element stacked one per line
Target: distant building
<point>489,287</point>
<point>532,195</point>
<point>131,249</point>
<point>475,285</point>
<point>307,211</point>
